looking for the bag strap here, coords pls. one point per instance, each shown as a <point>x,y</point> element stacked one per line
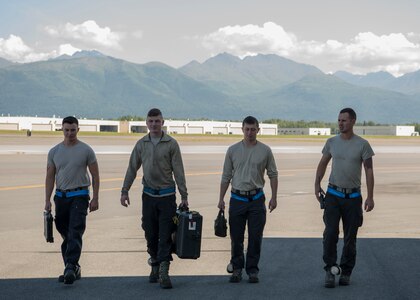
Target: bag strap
<point>221,213</point>
<point>183,208</point>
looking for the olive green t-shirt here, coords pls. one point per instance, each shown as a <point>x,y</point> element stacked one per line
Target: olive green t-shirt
<point>71,165</point>
<point>347,157</point>
<point>245,166</point>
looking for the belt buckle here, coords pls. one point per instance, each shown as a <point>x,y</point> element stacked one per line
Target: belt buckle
<point>250,193</point>
<point>256,191</point>
<point>235,191</point>
<point>247,193</point>
<point>338,189</point>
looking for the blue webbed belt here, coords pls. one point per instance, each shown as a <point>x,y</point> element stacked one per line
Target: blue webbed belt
<point>247,196</point>
<point>344,193</point>
<point>162,192</point>
<point>83,191</point>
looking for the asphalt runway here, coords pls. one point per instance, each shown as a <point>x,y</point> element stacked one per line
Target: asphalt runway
<point>114,257</point>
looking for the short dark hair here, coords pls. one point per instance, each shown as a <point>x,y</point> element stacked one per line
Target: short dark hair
<point>250,120</point>
<point>350,111</point>
<point>70,120</point>
<point>154,112</point>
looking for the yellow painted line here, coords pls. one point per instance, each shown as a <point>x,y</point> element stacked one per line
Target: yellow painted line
<point>111,179</point>
<point>21,187</point>
<point>200,174</point>
<point>34,186</point>
<point>111,189</point>
<point>396,171</point>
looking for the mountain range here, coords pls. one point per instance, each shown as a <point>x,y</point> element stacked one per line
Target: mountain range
<point>407,84</point>
<point>90,84</point>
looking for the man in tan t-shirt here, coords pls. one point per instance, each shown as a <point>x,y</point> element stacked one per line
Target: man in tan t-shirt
<point>343,199</point>
<point>67,169</point>
<point>244,169</point>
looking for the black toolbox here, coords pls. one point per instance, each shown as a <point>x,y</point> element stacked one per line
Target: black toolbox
<point>188,234</point>
<point>48,227</point>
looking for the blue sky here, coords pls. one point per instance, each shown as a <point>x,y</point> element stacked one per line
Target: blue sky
<point>355,36</point>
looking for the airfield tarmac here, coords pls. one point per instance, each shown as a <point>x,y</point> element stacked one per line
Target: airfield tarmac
<point>114,251</point>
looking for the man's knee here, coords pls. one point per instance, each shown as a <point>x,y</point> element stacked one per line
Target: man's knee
<point>61,224</point>
<point>331,234</point>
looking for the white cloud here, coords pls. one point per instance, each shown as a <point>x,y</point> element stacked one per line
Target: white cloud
<point>87,35</point>
<point>366,52</point>
<point>251,40</point>
<point>15,49</point>
<point>67,49</point>
<point>88,32</point>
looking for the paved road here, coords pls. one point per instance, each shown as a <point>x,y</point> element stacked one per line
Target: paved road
<point>114,257</point>
<point>387,269</point>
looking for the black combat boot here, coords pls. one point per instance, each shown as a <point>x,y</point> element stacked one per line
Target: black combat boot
<point>164,279</point>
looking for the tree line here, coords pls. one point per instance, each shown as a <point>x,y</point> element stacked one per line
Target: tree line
<point>290,124</point>
<point>333,125</point>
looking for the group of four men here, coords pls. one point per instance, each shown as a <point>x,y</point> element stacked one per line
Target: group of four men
<point>245,164</point>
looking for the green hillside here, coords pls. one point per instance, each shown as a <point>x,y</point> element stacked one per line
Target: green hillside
<point>320,97</point>
<point>92,85</point>
<point>103,87</point>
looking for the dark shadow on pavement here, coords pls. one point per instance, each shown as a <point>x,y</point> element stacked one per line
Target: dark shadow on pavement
<point>290,268</point>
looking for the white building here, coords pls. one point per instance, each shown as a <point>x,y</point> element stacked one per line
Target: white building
<point>170,126</point>
<point>29,123</point>
<point>54,124</point>
<point>385,130</point>
<point>304,131</point>
<point>202,127</point>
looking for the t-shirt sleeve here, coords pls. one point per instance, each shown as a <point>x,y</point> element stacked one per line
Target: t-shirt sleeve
<point>367,151</point>
<point>91,156</point>
<point>50,157</point>
<point>327,148</point>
